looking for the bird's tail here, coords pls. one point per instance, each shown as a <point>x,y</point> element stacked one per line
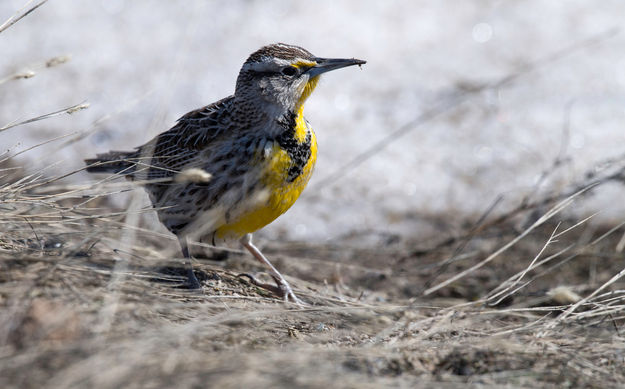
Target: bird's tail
<point>122,162</point>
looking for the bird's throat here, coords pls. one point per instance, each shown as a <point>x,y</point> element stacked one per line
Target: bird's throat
<point>300,124</point>
<point>307,91</point>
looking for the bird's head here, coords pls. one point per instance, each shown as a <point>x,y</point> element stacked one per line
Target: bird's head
<point>281,76</point>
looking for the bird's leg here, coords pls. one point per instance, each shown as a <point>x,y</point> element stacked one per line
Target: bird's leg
<point>192,281</point>
<point>282,288</point>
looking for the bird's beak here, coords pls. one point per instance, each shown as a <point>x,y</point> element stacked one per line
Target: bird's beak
<point>327,64</point>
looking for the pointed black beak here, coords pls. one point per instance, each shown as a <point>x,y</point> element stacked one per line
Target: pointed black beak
<point>327,64</point>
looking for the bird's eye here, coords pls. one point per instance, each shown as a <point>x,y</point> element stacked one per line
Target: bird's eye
<point>289,71</point>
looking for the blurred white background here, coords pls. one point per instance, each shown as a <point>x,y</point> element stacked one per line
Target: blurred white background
<point>143,64</point>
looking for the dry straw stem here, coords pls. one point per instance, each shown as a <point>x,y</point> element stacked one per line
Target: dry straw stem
<point>24,11</point>
<point>128,240</point>
<point>194,175</point>
<point>503,290</point>
<point>548,215</point>
<point>569,311</point>
<point>30,72</point>
<point>23,74</point>
<point>69,110</point>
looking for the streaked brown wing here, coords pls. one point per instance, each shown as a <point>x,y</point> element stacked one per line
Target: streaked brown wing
<point>175,149</point>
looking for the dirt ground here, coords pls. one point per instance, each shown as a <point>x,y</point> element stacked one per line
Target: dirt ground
<point>78,310</point>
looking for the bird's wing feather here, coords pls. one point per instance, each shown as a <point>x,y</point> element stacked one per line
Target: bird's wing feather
<point>174,150</point>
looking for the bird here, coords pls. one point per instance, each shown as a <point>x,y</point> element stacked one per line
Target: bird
<point>228,169</point>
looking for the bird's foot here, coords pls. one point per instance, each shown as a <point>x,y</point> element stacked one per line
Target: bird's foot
<point>192,281</point>
<point>281,289</point>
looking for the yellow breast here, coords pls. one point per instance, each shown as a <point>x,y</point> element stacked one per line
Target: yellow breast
<point>279,192</point>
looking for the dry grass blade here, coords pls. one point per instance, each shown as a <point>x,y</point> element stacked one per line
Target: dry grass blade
<point>569,311</point>
<point>548,215</point>
<point>30,71</point>
<point>69,110</point>
<point>505,289</point>
<point>500,293</point>
<point>19,15</point>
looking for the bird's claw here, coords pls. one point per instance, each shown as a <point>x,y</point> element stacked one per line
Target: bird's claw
<point>281,288</point>
<point>192,282</point>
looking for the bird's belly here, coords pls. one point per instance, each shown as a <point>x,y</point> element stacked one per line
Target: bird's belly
<point>276,193</point>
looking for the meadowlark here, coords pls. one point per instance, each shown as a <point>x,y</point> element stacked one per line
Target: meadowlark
<point>232,167</point>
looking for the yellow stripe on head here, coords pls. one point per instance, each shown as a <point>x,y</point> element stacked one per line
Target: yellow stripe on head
<point>302,63</point>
